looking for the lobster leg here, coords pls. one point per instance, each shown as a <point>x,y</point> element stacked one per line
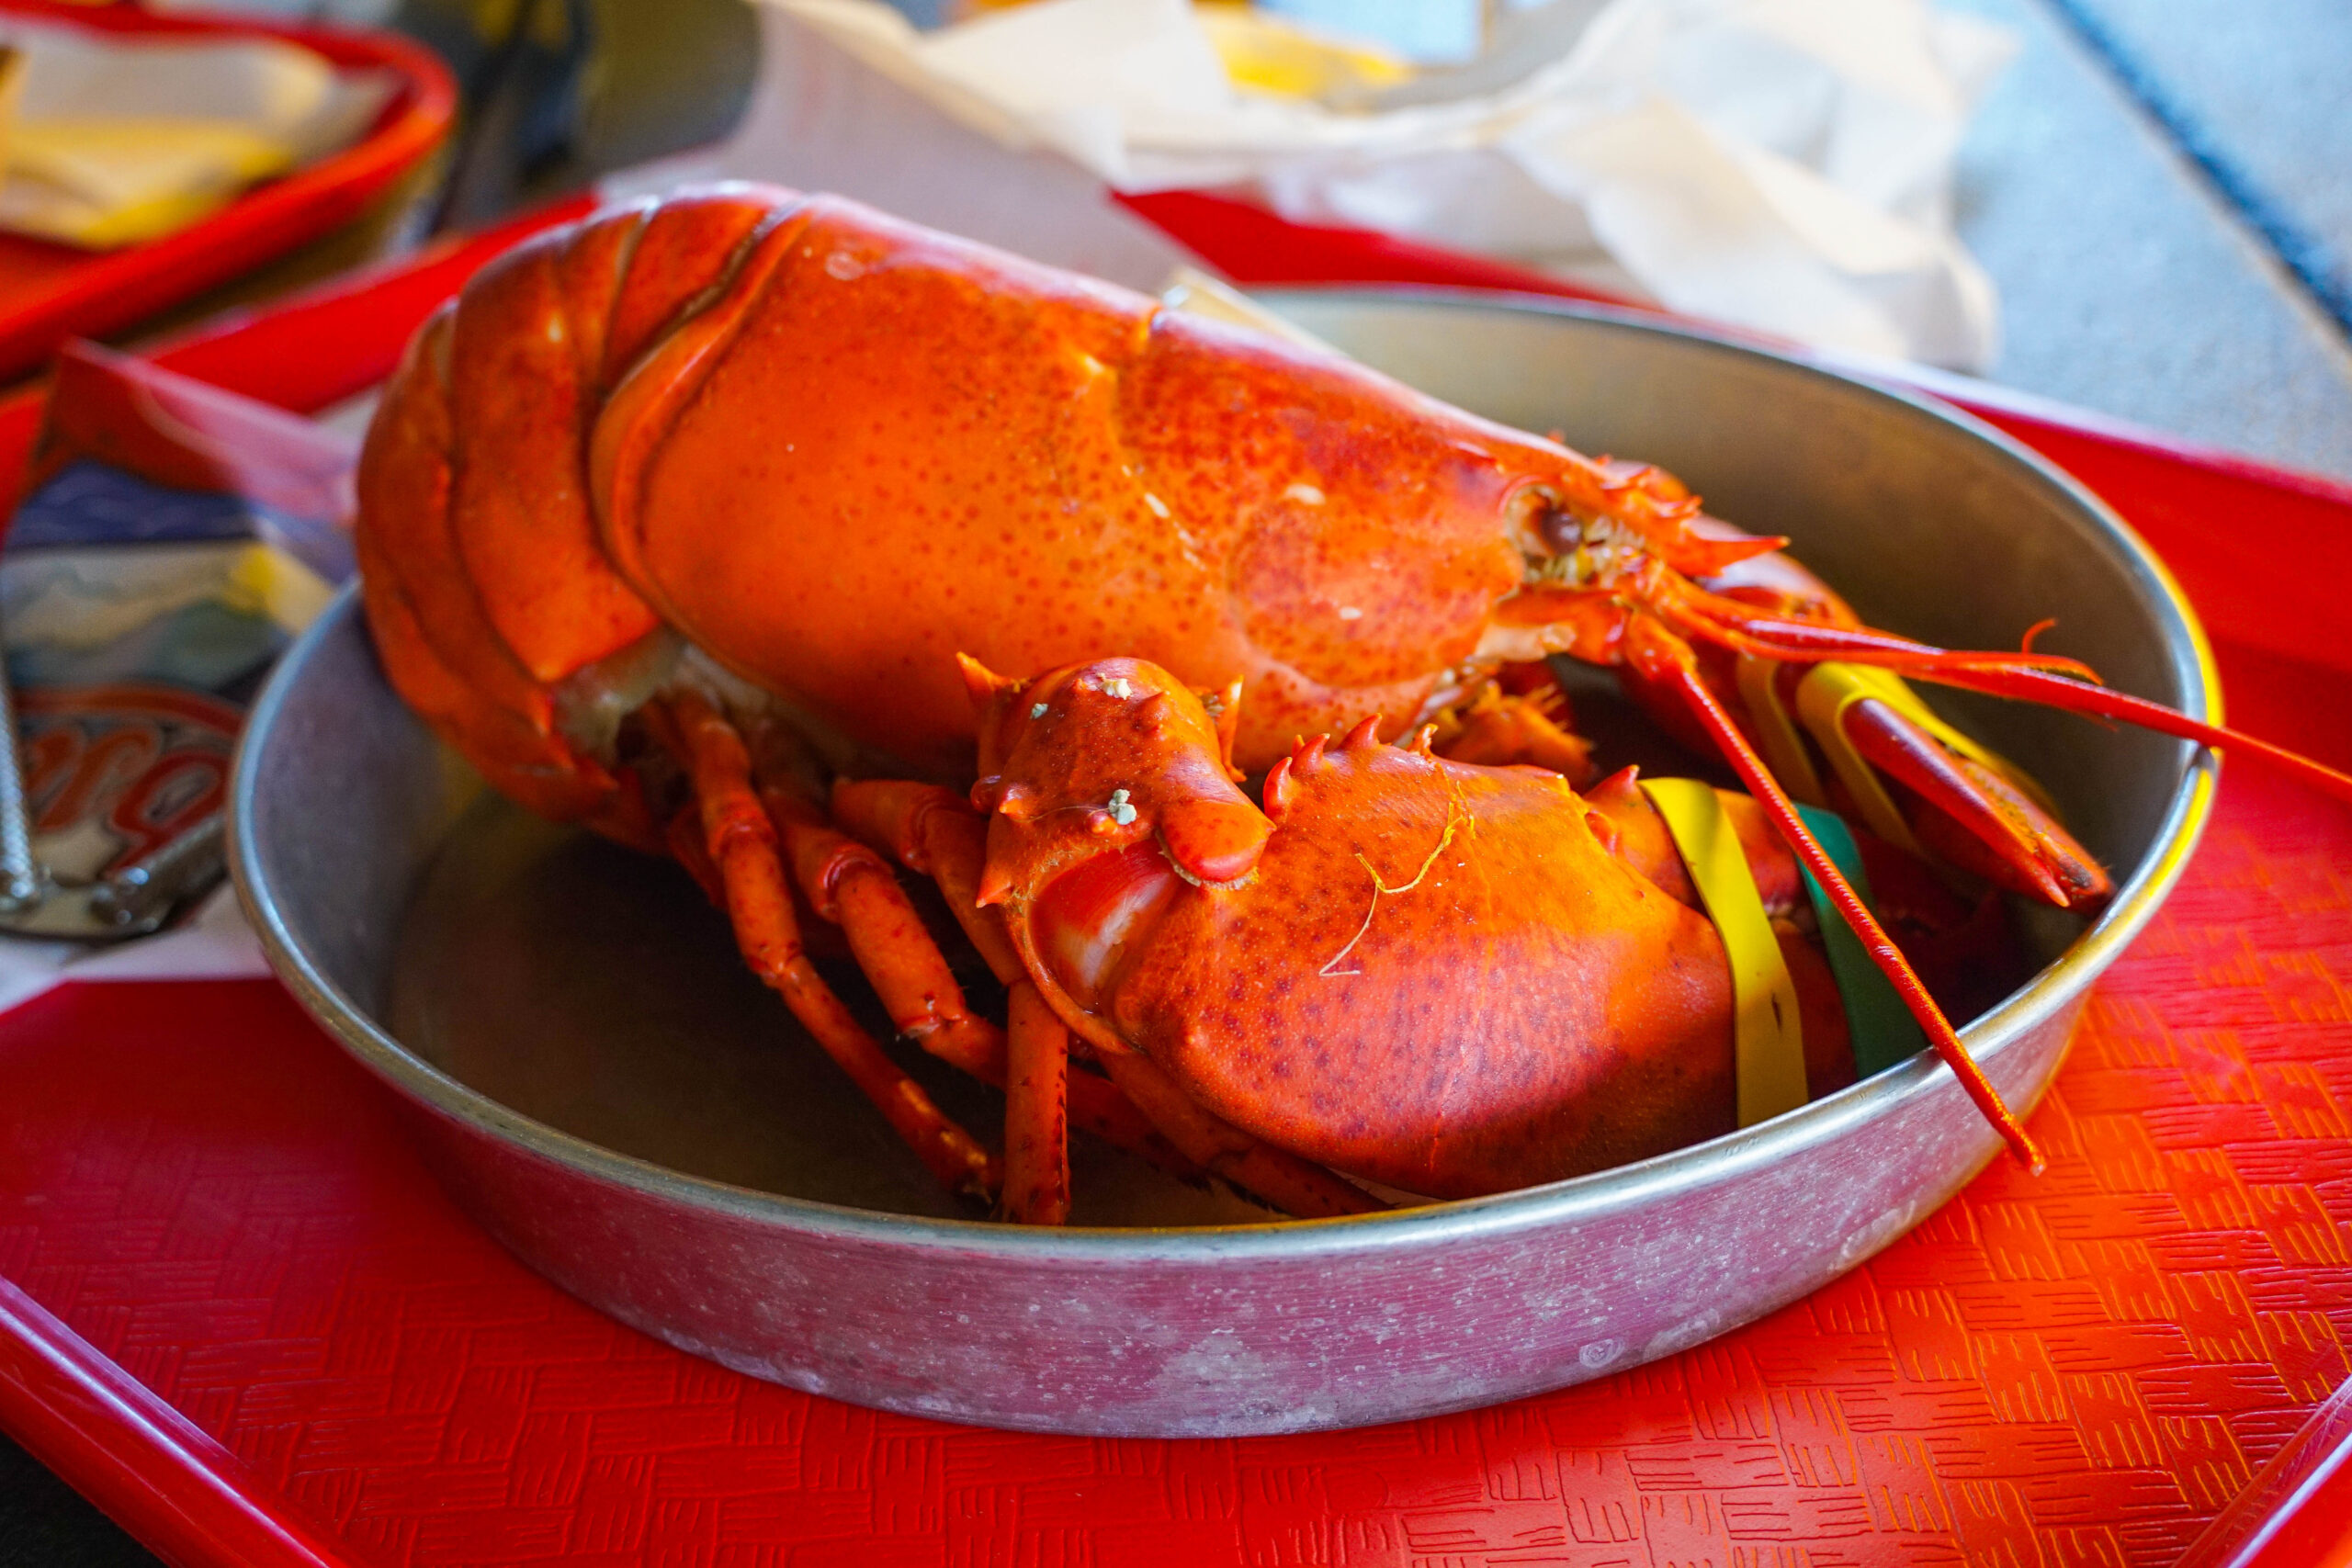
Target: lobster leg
<point>740,842</point>
<point>851,885</point>
<point>936,833</point>
<point>1667,660</point>
<point>1036,1110</point>
<point>933,833</point>
<point>1497,728</point>
<point>684,836</point>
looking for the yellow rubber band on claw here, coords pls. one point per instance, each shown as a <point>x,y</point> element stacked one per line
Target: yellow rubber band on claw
<point>1776,733</point>
<point>1823,697</point>
<point>1768,1038</point>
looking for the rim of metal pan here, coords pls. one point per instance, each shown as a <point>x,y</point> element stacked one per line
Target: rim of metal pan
<point>1536,1208</point>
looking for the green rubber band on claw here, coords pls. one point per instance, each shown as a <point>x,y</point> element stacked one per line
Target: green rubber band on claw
<point>1881,1028</point>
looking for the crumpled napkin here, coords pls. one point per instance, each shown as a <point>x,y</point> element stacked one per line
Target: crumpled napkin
<point>119,140</point>
<point>1784,164</point>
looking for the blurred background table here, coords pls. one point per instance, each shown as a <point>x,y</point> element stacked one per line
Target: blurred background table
<point>2157,187</point>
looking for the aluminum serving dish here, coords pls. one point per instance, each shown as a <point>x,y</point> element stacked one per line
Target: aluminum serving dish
<point>598,1081</point>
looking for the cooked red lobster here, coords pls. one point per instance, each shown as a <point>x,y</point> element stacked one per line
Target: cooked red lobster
<point>660,487</point>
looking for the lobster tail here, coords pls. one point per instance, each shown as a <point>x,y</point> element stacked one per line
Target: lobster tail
<point>486,577</point>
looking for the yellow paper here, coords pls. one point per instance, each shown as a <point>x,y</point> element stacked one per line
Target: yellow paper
<point>100,184</point>
<point>272,582</point>
<point>119,140</point>
<point>12,83</point>
<point>1267,54</point>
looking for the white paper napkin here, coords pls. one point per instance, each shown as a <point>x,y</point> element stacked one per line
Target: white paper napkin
<point>1786,165</point>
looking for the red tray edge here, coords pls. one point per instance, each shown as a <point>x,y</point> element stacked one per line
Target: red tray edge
<point>149,1467</point>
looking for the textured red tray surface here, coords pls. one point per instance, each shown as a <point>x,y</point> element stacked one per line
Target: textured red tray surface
<point>2084,1368</point>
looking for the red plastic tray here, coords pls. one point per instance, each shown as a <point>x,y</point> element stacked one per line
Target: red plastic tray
<point>50,292</point>
<point>245,1320</point>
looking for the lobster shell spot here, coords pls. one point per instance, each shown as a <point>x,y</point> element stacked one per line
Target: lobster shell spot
<point>1326,475</point>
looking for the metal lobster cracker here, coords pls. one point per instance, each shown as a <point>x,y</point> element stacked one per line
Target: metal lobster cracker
<point>678,522</point>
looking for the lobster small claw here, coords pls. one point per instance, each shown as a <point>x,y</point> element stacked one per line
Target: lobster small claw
<point>1858,738</point>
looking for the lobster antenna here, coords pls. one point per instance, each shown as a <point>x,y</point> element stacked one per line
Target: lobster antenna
<point>2103,702</point>
<point>1673,662</point>
<point>1744,629</point>
<point>2052,682</point>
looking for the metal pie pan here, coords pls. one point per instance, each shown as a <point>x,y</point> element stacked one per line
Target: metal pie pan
<point>705,1180</point>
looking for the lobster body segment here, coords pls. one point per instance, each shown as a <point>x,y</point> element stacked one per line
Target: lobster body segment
<point>1033,468</point>
<point>1434,974</point>
<point>832,450</point>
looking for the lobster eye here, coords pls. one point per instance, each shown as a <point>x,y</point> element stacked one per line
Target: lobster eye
<point>1564,531</point>
<point>1538,524</point>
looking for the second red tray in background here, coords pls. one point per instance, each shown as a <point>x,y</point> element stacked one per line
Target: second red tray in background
<point>49,293</point>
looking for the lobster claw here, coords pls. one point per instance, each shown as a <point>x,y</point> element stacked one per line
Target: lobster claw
<point>1964,813</point>
<point>1913,780</point>
<point>1854,737</point>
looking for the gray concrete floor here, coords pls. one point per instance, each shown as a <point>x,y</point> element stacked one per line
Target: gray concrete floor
<point>2262,95</point>
<point>2161,189</point>
<point>2132,280</point>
